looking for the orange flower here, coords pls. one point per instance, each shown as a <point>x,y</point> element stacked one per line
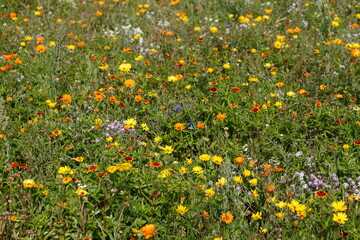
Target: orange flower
<point>148,230</point>
<point>227,217</point>
<point>179,126</point>
<point>239,160</point>
<point>66,98</point>
<point>129,83</point>
<point>320,194</point>
<point>270,188</point>
<point>200,125</point>
<point>40,48</point>
<point>56,132</point>
<point>221,116</point>
<point>138,98</point>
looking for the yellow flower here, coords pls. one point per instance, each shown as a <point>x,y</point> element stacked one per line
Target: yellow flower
<point>255,193</point>
<point>247,173</point>
<point>346,146</point>
<point>204,157</point>
<point>197,170</point>
<point>217,159</point>
<point>157,139</point>
<point>138,58</point>
<point>71,47</point>
<point>238,179</point>
<point>167,149</point>
<point>253,182</point>
<point>256,216</point>
<point>125,67</point>
<point>181,209</point>
<point>124,167</point>
<point>281,204</point>
<point>221,182</point>
<point>226,66</point>
<point>290,94</point>
<point>339,206</point>
<point>131,122</point>
<point>280,215</point>
<point>111,169</point>
<point>213,29</point>
<point>182,170</point>
<point>103,66</point>
<point>28,183</point>
<point>278,44</point>
<point>253,79</point>
<point>209,192</point>
<point>66,180</point>
<point>278,104</point>
<point>79,159</point>
<point>335,24</point>
<point>64,170</point>
<point>80,192</point>
<point>340,217</point>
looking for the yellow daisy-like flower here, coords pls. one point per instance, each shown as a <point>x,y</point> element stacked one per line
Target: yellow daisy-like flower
<point>204,157</point>
<point>197,170</point>
<point>217,159</point>
<point>339,206</point>
<point>182,209</point>
<point>209,192</point>
<point>256,216</point>
<point>131,122</point>
<point>340,217</point>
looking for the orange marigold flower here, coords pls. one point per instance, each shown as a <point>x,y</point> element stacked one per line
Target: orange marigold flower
<point>221,116</point>
<point>67,98</point>
<point>200,125</point>
<point>179,126</point>
<point>148,230</point>
<point>227,217</point>
<point>239,160</point>
<point>40,48</point>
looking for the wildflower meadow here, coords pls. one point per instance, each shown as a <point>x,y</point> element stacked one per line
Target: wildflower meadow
<point>179,119</point>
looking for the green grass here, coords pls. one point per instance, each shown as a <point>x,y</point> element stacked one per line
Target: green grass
<point>89,151</point>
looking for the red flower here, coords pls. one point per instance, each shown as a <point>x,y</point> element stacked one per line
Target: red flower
<point>14,164</point>
<point>213,89</point>
<point>155,164</point>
